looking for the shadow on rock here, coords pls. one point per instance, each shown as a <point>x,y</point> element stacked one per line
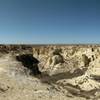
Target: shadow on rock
<point>45,78</point>
<point>29,62</point>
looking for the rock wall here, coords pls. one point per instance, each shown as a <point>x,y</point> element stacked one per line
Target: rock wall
<point>68,57</point>
<point>79,66</point>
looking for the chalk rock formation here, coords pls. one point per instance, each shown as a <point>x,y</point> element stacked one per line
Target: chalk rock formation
<point>82,62</point>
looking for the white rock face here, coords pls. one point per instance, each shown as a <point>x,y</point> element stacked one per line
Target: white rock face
<point>68,57</point>
<point>82,62</point>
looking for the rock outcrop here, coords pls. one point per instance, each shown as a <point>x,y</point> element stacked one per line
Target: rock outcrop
<point>82,62</point>
<point>72,71</point>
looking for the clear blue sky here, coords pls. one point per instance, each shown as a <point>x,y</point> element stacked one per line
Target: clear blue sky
<point>49,21</point>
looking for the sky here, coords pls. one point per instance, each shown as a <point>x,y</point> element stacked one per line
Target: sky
<point>49,21</point>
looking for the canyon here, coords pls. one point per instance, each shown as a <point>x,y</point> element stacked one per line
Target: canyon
<point>38,72</point>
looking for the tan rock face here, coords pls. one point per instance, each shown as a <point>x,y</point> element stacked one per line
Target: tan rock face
<point>70,72</point>
<point>82,62</point>
<point>73,56</point>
